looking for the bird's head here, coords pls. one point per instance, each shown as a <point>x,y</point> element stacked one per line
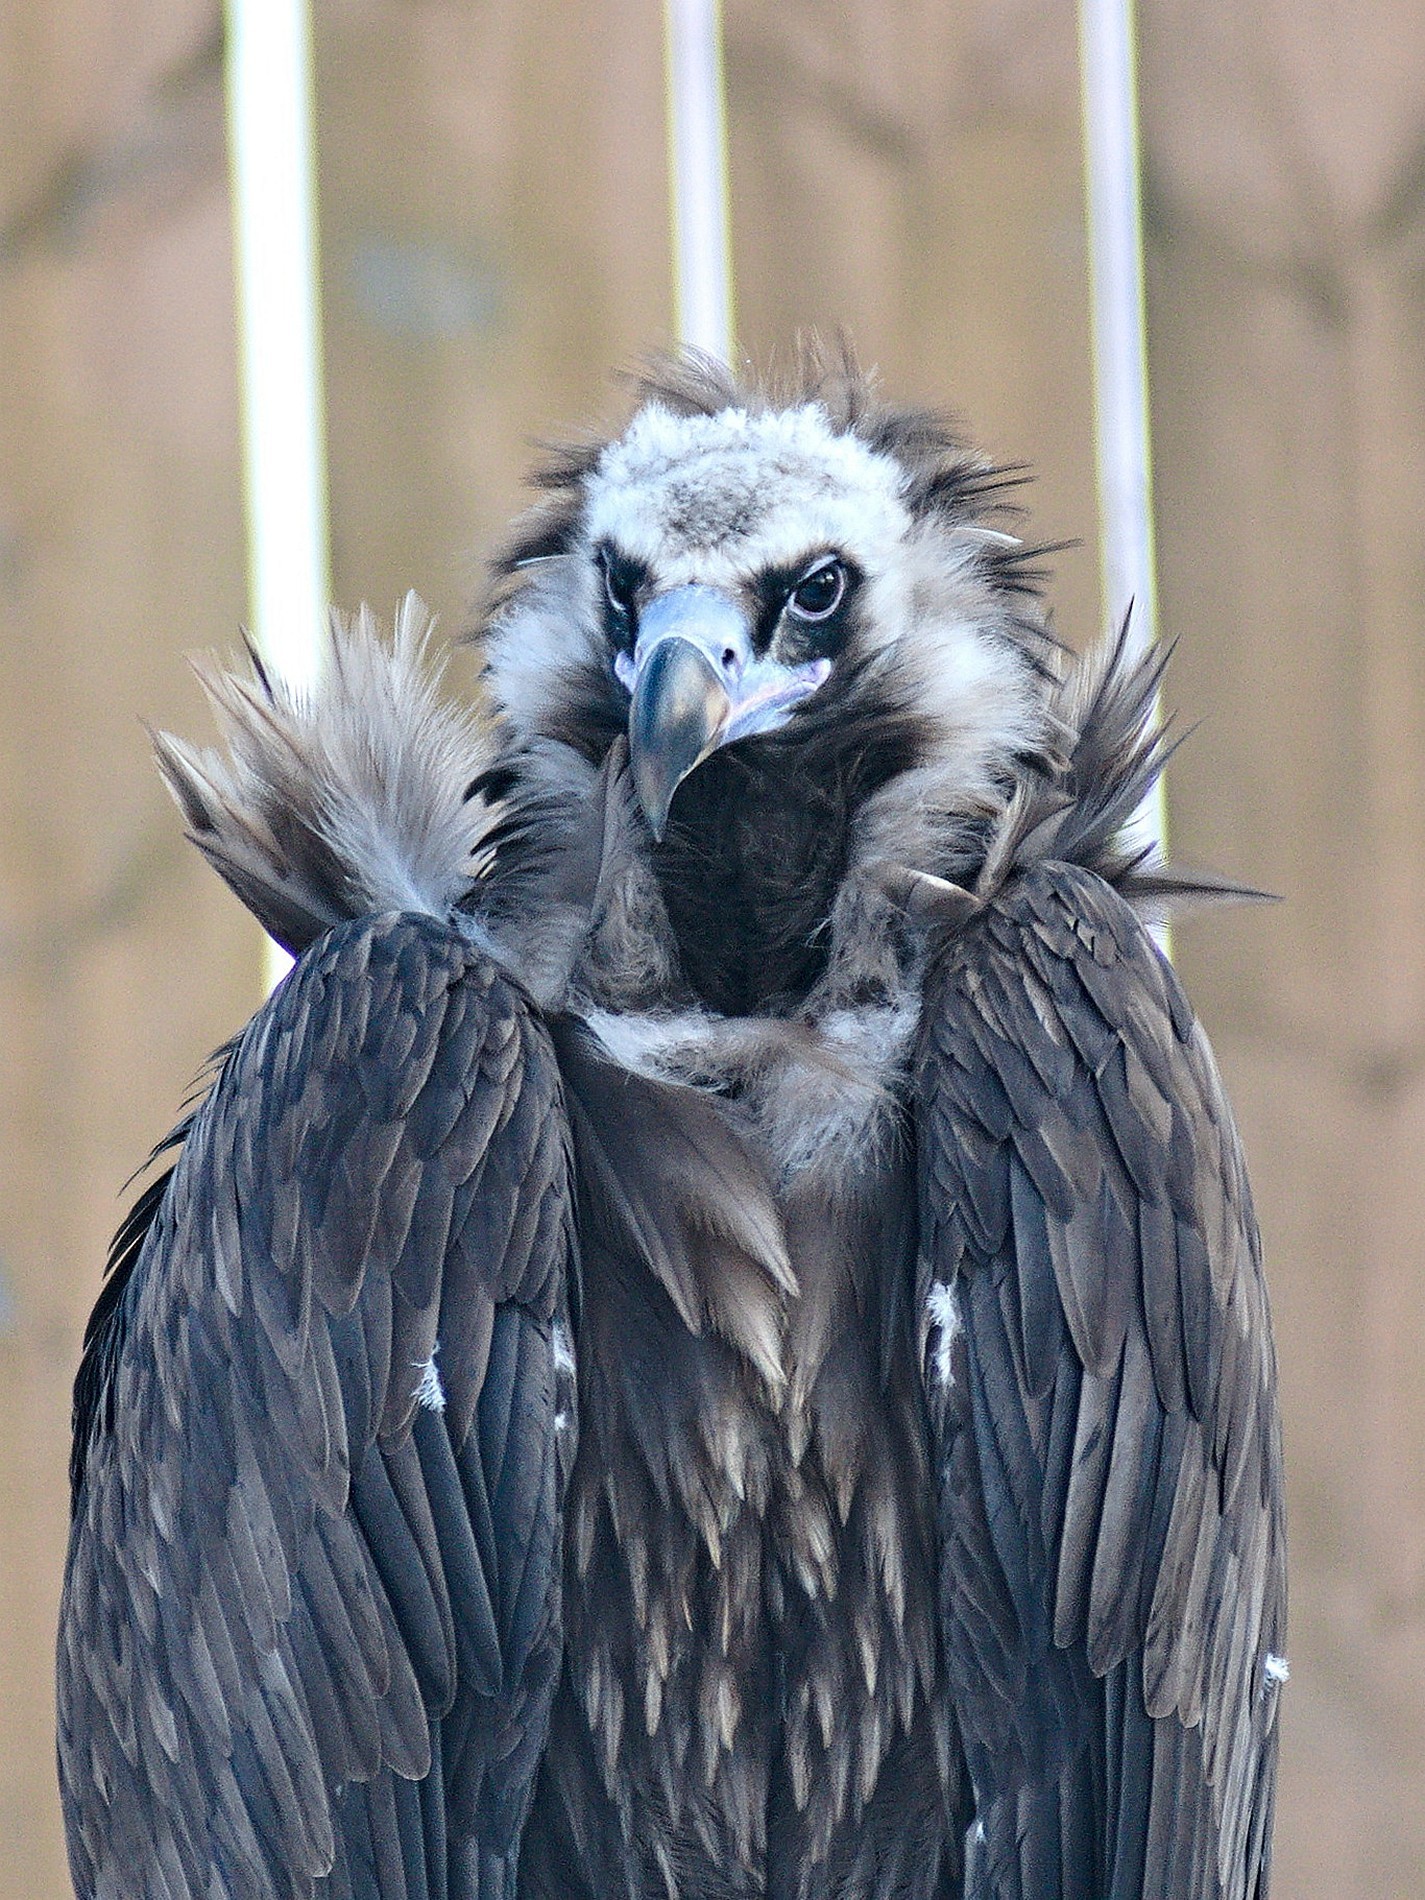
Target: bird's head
<point>734,569</point>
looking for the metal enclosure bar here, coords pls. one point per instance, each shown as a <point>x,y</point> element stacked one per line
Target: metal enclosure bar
<point>271,156</point>
<point>697,163</point>
<point>270,144</point>
<point>1115,232</point>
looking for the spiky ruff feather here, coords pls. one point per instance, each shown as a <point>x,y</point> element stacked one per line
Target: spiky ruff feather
<point>362,794</point>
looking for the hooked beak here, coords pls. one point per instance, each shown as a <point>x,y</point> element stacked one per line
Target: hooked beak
<point>696,684</point>
<point>679,713</point>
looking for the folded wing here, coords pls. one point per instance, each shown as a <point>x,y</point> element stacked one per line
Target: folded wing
<point>311,1620</point>
<point>1101,1380</point>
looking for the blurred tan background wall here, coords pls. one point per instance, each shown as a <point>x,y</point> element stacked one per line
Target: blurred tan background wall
<point>494,228</point>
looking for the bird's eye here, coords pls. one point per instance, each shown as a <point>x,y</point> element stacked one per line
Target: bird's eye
<point>618,585</point>
<point>818,594</point>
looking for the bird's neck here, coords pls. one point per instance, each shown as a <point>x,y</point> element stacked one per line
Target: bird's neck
<point>758,847</point>
<point>739,909</point>
<point>748,873</point>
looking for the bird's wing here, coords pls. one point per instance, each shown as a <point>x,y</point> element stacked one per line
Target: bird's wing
<point>1101,1378</point>
<point>311,1621</point>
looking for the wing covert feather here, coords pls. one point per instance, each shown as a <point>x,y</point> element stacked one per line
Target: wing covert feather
<point>1101,1378</point>
<point>322,1432</point>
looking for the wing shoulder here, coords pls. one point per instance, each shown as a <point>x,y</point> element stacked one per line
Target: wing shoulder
<point>311,1605</point>
<point>1100,1370</point>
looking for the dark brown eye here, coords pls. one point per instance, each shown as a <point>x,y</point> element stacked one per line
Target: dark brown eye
<point>818,594</point>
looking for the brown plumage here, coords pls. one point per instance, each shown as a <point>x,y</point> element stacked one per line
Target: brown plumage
<point>709,1340</point>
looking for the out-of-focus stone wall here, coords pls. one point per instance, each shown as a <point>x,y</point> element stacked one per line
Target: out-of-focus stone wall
<point>494,213</point>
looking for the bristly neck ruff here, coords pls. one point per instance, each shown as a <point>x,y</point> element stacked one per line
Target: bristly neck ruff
<point>758,846</point>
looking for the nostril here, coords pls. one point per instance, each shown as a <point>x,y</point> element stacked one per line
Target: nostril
<point>729,659</point>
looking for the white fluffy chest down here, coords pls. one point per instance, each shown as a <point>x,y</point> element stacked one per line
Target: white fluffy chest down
<point>821,1097</point>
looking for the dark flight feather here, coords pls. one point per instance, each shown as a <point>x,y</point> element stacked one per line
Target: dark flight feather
<point>1167,1581</point>
<point>342,1619</point>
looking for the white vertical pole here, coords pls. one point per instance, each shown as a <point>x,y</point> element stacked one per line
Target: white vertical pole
<point>1110,114</point>
<point>271,143</point>
<point>271,148</point>
<point>697,150</point>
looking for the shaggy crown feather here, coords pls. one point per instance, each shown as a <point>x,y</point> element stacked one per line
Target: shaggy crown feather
<point>716,479</point>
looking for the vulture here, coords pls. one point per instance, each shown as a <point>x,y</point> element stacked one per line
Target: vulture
<point>708,1341</point>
